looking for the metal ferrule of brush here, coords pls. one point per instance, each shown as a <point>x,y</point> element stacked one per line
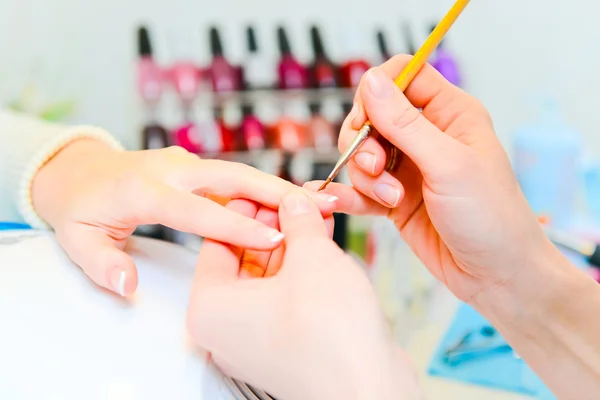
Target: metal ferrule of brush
<point>362,135</point>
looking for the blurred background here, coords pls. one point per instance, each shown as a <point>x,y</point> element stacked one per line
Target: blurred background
<point>192,73</point>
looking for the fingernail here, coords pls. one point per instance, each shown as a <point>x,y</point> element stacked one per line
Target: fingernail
<point>274,235</point>
<point>296,203</point>
<point>117,280</point>
<point>380,85</point>
<point>325,197</point>
<point>366,161</point>
<point>388,194</point>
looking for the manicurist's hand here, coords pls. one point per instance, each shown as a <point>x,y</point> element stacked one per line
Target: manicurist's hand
<point>312,329</point>
<point>453,196</point>
<point>457,203</point>
<point>95,197</point>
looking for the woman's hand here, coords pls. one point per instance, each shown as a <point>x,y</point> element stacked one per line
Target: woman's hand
<point>313,330</point>
<point>95,197</point>
<point>453,196</point>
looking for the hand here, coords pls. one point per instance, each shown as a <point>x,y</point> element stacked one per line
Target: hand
<point>314,330</point>
<point>453,197</point>
<point>95,198</point>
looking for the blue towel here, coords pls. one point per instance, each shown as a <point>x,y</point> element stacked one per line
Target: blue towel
<point>501,370</point>
<point>13,226</point>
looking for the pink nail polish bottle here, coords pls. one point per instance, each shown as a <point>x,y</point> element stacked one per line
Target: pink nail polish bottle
<point>252,129</point>
<point>292,74</point>
<point>224,76</point>
<point>150,89</point>
<point>149,74</point>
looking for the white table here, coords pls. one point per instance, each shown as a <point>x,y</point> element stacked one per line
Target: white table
<point>61,337</point>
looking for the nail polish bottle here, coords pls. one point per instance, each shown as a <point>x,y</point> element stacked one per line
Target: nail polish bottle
<point>383,47</point>
<point>149,74</point>
<point>224,76</point>
<point>354,65</point>
<point>321,131</point>
<point>150,88</point>
<point>290,131</point>
<point>444,61</point>
<point>252,129</point>
<point>411,48</point>
<point>232,121</point>
<point>188,136</point>
<point>228,139</point>
<point>322,71</point>
<point>259,71</point>
<point>292,74</point>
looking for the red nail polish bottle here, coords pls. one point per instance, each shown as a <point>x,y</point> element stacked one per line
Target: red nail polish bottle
<point>322,71</point>
<point>292,74</point>
<point>354,65</point>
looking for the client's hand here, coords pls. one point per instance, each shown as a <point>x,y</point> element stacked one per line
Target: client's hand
<point>314,330</point>
<point>453,196</point>
<point>95,197</point>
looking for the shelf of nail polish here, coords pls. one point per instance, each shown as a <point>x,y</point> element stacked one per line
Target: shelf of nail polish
<point>259,95</point>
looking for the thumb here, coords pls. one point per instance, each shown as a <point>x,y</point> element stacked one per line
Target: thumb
<point>101,258</point>
<point>299,217</point>
<point>403,125</point>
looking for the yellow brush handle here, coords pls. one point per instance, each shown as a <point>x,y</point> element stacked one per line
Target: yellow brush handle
<point>437,35</point>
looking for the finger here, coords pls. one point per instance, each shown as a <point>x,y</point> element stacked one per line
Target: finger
<point>440,100</point>
<point>371,156</point>
<point>255,262</point>
<point>405,127</point>
<point>101,258</point>
<point>219,263</point>
<point>351,201</point>
<point>385,188</point>
<point>299,217</point>
<point>235,180</point>
<point>187,212</point>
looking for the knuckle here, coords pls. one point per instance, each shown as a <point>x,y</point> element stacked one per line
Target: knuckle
<point>407,119</point>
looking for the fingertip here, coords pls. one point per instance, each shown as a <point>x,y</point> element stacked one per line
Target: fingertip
<point>122,276</point>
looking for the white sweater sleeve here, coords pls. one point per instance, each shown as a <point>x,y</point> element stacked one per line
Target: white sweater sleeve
<point>26,144</point>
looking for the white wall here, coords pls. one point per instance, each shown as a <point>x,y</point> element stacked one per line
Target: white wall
<point>86,48</point>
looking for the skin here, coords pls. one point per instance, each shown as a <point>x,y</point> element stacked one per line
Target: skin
<point>457,203</point>
<point>314,330</point>
<point>94,198</point>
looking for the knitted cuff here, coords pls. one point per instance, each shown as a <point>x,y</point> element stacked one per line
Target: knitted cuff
<point>40,158</point>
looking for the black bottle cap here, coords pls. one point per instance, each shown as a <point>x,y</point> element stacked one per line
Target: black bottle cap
<point>251,37</point>
<point>317,42</point>
<point>315,108</point>
<point>144,46</point>
<point>216,47</point>
<point>433,26</point>
<point>382,44</point>
<point>410,42</point>
<point>247,110</point>
<point>283,42</point>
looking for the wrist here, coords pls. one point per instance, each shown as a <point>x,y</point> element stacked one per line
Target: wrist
<point>54,185</point>
<point>548,314</point>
